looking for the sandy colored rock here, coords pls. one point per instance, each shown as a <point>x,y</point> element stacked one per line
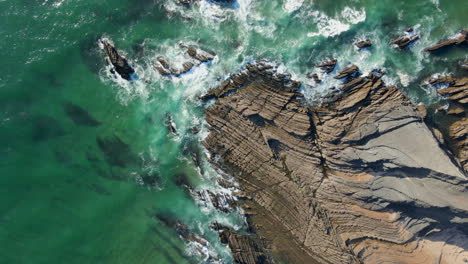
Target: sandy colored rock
<point>459,39</point>
<point>360,179</point>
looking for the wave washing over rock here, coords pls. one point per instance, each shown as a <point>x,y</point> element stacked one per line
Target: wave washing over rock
<point>360,178</point>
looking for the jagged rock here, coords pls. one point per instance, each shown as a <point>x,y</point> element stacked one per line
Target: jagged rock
<point>359,179</point>
<point>163,66</point>
<point>327,66</point>
<point>79,115</point>
<point>422,110</point>
<point>315,77</point>
<point>364,44</point>
<point>221,201</point>
<point>464,65</point>
<point>171,126</point>
<point>459,39</point>
<point>405,40</point>
<point>120,64</point>
<point>187,235</point>
<point>186,2</point>
<point>245,249</point>
<point>350,71</point>
<point>455,110</point>
<point>198,54</point>
<point>456,88</point>
<point>459,134</point>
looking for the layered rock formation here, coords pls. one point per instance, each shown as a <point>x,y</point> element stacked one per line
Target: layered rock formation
<point>359,179</point>
<point>459,39</point>
<point>363,44</point>
<point>405,40</point>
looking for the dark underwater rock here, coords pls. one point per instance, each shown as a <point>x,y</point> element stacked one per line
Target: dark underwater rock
<point>117,152</point>
<point>120,64</point>
<point>45,127</point>
<point>79,115</point>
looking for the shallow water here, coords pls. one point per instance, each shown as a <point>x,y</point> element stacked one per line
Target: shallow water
<point>84,184</point>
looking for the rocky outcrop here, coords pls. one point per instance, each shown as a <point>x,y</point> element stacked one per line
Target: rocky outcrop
<point>459,134</point>
<point>456,89</point>
<point>405,40</point>
<point>350,71</point>
<point>315,77</point>
<point>195,57</point>
<point>245,249</point>
<point>363,44</point>
<point>459,39</point>
<point>327,66</point>
<point>359,179</point>
<point>120,64</point>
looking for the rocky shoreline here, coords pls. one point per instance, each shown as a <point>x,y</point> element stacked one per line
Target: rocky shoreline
<point>359,179</point>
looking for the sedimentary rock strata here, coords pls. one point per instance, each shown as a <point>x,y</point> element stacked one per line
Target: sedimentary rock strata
<point>459,134</point>
<point>327,66</point>
<point>405,40</point>
<point>358,179</point>
<point>456,88</point>
<point>459,39</point>
<point>363,44</point>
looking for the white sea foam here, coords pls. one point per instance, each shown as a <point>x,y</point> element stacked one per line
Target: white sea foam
<point>292,5</point>
<point>405,79</point>
<point>329,27</point>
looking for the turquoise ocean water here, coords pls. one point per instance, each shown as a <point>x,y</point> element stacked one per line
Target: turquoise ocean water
<point>87,162</point>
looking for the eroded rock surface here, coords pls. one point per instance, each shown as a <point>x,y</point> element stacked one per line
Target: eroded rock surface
<point>406,39</point>
<point>456,89</point>
<point>363,44</point>
<point>358,179</point>
<point>195,57</point>
<point>327,66</point>
<point>459,39</point>
<point>459,134</point>
<point>119,63</point>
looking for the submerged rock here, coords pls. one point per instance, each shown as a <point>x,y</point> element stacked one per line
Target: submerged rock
<point>117,152</point>
<point>404,41</point>
<point>358,179</point>
<point>79,115</point>
<point>120,64</point>
<point>459,39</point>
